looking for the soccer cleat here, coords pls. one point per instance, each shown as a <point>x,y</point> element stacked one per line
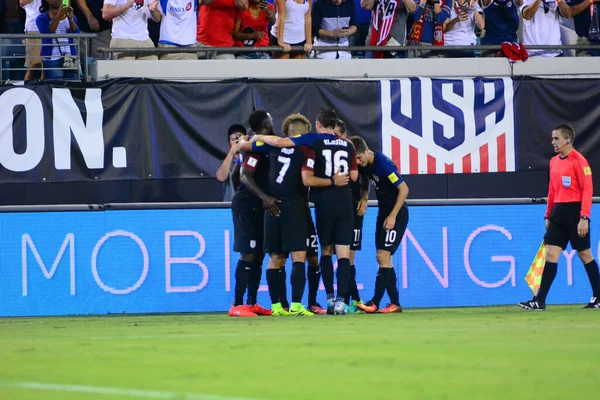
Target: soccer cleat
<point>532,304</point>
<point>240,311</point>
<point>340,308</point>
<point>258,310</point>
<point>391,308</point>
<point>369,308</point>
<point>594,303</point>
<point>317,309</point>
<point>278,311</point>
<point>330,305</point>
<point>298,309</point>
<point>353,307</point>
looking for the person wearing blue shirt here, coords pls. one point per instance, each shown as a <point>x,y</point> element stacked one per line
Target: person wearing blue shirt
<point>392,220</point>
<point>580,11</point>
<point>57,52</point>
<point>501,22</point>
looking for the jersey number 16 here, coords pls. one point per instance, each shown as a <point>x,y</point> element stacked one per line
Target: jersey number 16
<point>340,162</point>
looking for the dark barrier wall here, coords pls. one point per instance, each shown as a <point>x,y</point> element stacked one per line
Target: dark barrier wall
<point>141,140</point>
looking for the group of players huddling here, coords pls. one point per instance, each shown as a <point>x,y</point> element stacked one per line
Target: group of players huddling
<point>271,216</point>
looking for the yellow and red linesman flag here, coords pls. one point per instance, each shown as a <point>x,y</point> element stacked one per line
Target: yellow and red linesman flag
<point>534,276</point>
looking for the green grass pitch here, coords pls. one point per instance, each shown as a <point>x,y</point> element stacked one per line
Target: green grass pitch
<point>459,353</point>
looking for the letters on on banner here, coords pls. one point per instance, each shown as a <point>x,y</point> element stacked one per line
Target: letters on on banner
<point>432,126</point>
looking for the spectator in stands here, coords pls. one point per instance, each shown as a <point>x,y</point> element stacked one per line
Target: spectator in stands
<point>178,27</point>
<point>580,11</point>
<point>363,21</point>
<point>333,22</point>
<point>459,28</point>
<point>541,25</point>
<point>501,23</point>
<point>215,26</point>
<point>429,17</point>
<point>380,33</point>
<point>89,17</point>
<point>227,171</point>
<point>58,52</point>
<point>130,26</point>
<point>252,28</point>
<point>33,47</point>
<point>293,27</point>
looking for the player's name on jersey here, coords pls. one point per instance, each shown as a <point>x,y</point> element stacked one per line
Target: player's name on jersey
<point>287,150</point>
<point>336,142</point>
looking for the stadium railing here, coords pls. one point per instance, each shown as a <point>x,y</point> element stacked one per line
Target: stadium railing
<point>13,51</point>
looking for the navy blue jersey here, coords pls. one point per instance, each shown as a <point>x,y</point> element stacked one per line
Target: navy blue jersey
<point>331,153</point>
<point>384,175</point>
<point>259,163</point>
<point>285,170</point>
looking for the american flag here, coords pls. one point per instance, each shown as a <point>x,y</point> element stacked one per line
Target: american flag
<point>383,20</point>
<point>424,139</point>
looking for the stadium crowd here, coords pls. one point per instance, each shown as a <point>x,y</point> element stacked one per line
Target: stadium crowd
<point>302,24</point>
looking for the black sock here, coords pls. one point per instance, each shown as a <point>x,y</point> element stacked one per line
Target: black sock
<point>254,278</point>
<point>353,288</point>
<point>327,274</point>
<point>283,288</point>
<point>273,282</point>
<point>298,281</point>
<point>381,283</point>
<point>343,278</point>
<point>241,281</point>
<point>392,287</point>
<point>314,274</point>
<point>548,276</point>
<point>594,275</point>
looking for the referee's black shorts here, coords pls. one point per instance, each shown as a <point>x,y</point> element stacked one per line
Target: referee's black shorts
<point>562,227</point>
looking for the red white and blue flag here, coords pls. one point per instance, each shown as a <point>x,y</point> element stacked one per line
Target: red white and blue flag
<point>439,126</point>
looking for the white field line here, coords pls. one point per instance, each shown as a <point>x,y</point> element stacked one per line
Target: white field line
<point>112,391</point>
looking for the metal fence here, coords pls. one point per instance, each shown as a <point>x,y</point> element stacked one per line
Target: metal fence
<point>13,53</point>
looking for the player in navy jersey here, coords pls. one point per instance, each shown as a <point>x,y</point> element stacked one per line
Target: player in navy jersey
<point>334,163</point>
<point>360,195</point>
<point>287,232</point>
<point>298,124</point>
<point>392,220</point>
<point>247,207</point>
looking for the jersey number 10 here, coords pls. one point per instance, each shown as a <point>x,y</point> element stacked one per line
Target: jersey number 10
<point>340,162</point>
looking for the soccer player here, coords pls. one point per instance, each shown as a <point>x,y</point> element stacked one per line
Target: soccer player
<point>567,215</point>
<point>334,163</point>
<point>360,195</point>
<point>247,207</point>
<point>392,220</point>
<point>298,124</point>
<point>287,232</point>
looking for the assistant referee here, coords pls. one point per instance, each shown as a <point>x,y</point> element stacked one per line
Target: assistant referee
<point>567,215</point>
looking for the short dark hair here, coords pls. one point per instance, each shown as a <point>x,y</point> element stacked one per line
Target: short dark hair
<point>257,118</point>
<point>342,125</point>
<point>359,144</point>
<point>236,128</point>
<point>327,117</point>
<point>567,130</point>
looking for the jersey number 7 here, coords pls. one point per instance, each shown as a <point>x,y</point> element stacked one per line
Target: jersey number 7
<point>286,165</point>
<point>340,162</point>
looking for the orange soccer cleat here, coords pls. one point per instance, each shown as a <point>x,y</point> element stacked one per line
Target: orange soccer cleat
<point>241,311</point>
<point>258,310</point>
<point>369,307</point>
<point>391,308</point>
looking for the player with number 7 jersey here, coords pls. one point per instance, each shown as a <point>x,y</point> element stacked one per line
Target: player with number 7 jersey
<point>334,162</point>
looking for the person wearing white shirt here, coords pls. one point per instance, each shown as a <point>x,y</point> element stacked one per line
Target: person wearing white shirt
<point>130,25</point>
<point>178,27</point>
<point>459,27</point>
<point>32,46</point>
<point>541,25</point>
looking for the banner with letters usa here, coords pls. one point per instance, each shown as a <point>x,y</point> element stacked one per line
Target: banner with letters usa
<point>146,129</point>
